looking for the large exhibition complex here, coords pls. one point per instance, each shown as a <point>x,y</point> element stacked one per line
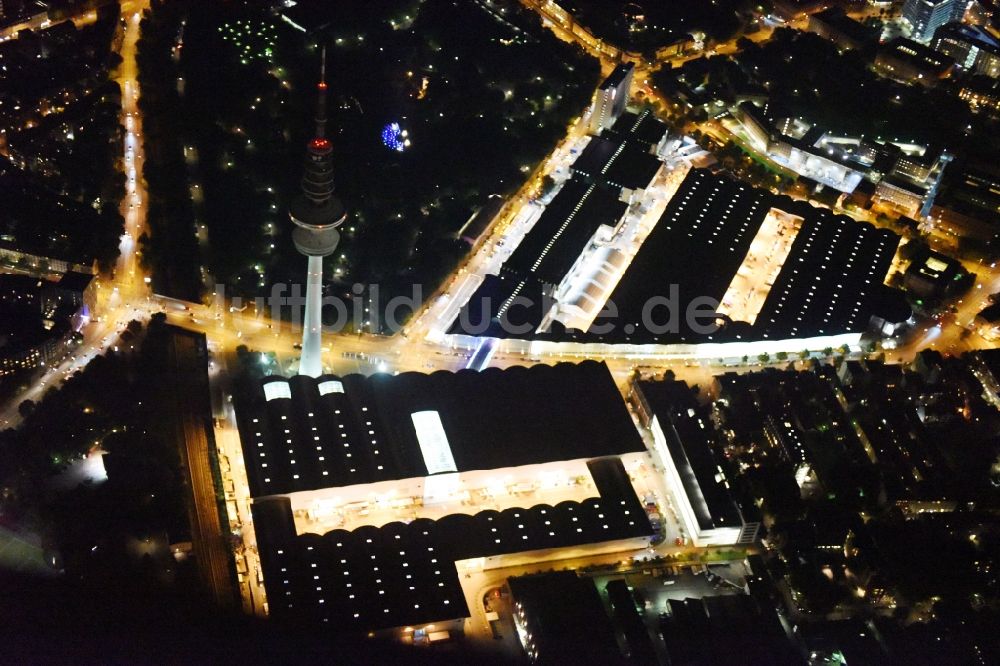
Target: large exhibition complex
<point>758,245</point>
<point>403,476</point>
<point>616,254</point>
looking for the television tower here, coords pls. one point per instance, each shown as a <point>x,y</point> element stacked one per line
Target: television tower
<point>316,214</point>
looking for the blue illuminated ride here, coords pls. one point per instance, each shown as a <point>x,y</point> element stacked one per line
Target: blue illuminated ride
<point>395,138</point>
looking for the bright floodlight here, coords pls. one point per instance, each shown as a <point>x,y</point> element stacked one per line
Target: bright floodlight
<point>277,389</point>
<point>330,386</point>
<point>433,442</point>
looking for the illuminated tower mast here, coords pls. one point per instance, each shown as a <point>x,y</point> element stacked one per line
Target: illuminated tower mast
<point>316,214</point>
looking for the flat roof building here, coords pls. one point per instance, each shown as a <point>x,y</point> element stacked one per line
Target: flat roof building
<point>565,227</point>
<point>301,433</point>
<point>625,166</point>
<point>806,149</point>
<point>901,194</point>
<point>724,263</point>
<point>683,437</point>
<point>756,123</point>
<point>405,574</point>
<point>543,257</point>
<point>560,619</point>
<point>934,275</point>
<point>504,304</point>
<point>911,62</point>
<point>834,24</point>
<point>628,620</point>
<point>726,629</point>
<point>981,93</point>
<point>642,128</point>
<point>406,477</point>
<point>709,222</point>
<point>833,279</point>
<point>969,202</point>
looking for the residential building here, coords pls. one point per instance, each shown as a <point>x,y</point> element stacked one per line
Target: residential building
<point>611,98</point>
<point>38,318</point>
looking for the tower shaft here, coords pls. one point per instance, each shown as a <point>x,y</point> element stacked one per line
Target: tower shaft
<point>311,363</point>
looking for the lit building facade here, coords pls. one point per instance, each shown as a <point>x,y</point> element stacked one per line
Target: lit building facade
<point>61,308</point>
<point>973,49</point>
<point>981,97</point>
<point>682,437</point>
<point>900,195</point>
<point>611,98</point>
<point>926,16</point>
